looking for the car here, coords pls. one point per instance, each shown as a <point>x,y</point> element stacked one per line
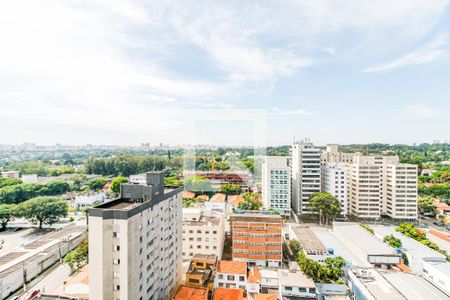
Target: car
<point>2,241</point>
<point>438,223</point>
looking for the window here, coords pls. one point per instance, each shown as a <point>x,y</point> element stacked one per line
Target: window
<point>230,277</point>
<point>117,287</point>
<point>241,278</point>
<point>114,234</point>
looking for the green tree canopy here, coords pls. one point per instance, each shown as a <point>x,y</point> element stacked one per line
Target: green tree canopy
<point>196,183</point>
<point>9,181</point>
<point>43,210</point>
<point>79,256</point>
<point>392,241</point>
<point>251,202</point>
<point>230,189</point>
<point>325,205</point>
<point>7,213</point>
<point>97,184</point>
<point>425,204</point>
<point>116,182</point>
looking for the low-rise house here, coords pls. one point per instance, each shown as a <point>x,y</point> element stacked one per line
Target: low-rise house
<point>254,281</point>
<point>234,200</point>
<point>269,280</point>
<point>231,274</point>
<point>293,283</point>
<point>10,174</point>
<point>188,195</point>
<point>201,271</point>
<point>217,201</point>
<point>442,212</point>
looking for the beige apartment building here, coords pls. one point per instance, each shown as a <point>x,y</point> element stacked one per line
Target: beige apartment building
<point>135,242</point>
<point>381,185</point>
<point>203,232</point>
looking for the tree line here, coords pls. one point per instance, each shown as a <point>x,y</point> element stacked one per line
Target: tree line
<point>19,192</point>
<point>40,210</point>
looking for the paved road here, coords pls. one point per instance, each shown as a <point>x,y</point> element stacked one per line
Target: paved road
<point>51,281</point>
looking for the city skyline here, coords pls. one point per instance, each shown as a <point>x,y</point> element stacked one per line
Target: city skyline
<point>108,73</point>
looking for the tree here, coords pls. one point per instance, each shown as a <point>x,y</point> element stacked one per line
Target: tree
<point>7,213</point>
<point>328,272</point>
<point>172,181</point>
<point>197,184</point>
<point>392,241</point>
<point>43,210</point>
<point>116,182</point>
<point>325,205</point>
<point>79,256</point>
<point>442,218</point>
<point>251,202</point>
<point>78,180</point>
<point>295,247</point>
<point>97,184</point>
<point>230,189</point>
<point>9,181</point>
<point>425,204</point>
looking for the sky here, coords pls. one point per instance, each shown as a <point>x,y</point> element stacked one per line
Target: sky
<point>224,72</point>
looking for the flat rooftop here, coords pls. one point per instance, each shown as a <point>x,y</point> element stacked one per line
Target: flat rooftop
<point>413,286</point>
<point>295,278</point>
<point>360,237</point>
<point>308,240</point>
<point>377,285</point>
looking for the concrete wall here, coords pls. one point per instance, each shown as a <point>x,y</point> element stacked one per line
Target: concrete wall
<point>15,280</point>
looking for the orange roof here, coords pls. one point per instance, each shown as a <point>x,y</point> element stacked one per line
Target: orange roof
<point>188,195</point>
<point>203,197</point>
<point>265,297</point>
<point>228,294</point>
<point>191,293</point>
<point>218,197</point>
<point>443,206</point>
<point>232,267</point>
<point>254,276</point>
<point>235,199</point>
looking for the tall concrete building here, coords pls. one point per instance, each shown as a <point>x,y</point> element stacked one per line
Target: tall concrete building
<point>332,155</point>
<point>381,185</point>
<point>135,242</point>
<point>305,174</point>
<point>334,181</point>
<point>276,184</point>
<point>256,238</point>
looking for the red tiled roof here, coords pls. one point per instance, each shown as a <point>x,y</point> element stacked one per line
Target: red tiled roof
<point>232,267</point>
<point>235,199</point>
<point>218,197</point>
<point>191,293</point>
<point>254,276</point>
<point>188,195</point>
<point>228,294</point>
<point>265,297</point>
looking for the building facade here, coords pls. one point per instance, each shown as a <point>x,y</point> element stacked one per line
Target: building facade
<point>231,274</point>
<point>381,185</point>
<point>276,184</point>
<point>305,174</point>
<point>257,238</point>
<point>203,232</point>
<point>334,181</point>
<point>137,248</point>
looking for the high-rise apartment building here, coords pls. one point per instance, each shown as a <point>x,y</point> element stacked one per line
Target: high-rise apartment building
<point>305,174</point>
<point>276,184</point>
<point>135,242</point>
<point>256,238</point>
<point>381,185</point>
<point>334,181</point>
<point>333,155</point>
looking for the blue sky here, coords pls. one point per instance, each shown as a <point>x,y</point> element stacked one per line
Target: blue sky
<point>118,72</point>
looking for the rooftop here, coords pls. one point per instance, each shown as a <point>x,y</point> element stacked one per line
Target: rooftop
<point>308,240</point>
<point>188,195</point>
<point>219,197</point>
<point>207,257</point>
<point>191,293</point>
<point>295,278</point>
<point>265,297</point>
<point>232,267</point>
<point>377,285</point>
<point>366,241</point>
<point>413,286</point>
<point>204,220</point>
<point>235,199</point>
<point>228,294</point>
<point>253,216</point>
<point>254,275</point>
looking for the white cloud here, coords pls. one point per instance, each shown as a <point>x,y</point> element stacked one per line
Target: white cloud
<point>294,112</point>
<point>419,111</point>
<point>431,52</point>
